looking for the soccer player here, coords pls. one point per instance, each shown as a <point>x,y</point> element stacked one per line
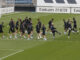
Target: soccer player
<point>38,30</point>
<point>65,26</point>
<point>53,29</point>
<point>69,28</point>
<point>27,22</point>
<point>12,28</point>
<point>23,29</point>
<point>43,32</point>
<point>74,25</point>
<point>50,24</point>
<point>1,29</point>
<point>20,27</point>
<point>29,29</point>
<point>17,25</point>
<point>40,26</point>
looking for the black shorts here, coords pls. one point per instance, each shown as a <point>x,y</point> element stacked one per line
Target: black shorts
<point>53,31</point>
<point>29,32</point>
<point>12,30</point>
<point>1,31</point>
<point>38,31</point>
<point>22,30</point>
<point>16,28</point>
<point>75,26</point>
<point>43,33</point>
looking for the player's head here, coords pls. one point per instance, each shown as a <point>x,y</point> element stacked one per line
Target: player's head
<point>11,19</point>
<point>38,19</point>
<point>63,19</point>
<point>30,19</point>
<point>73,18</point>
<point>52,19</point>
<point>20,20</point>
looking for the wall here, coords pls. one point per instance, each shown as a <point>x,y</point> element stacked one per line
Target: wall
<point>57,8</point>
<point>7,10</point>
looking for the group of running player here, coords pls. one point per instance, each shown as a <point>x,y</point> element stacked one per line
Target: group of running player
<point>25,26</point>
<point>70,26</point>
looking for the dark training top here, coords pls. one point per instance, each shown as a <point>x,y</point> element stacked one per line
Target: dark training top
<point>69,25</point>
<point>17,24</point>
<point>43,28</point>
<point>1,27</point>
<point>37,27</point>
<point>53,29</point>
<point>65,24</point>
<point>29,28</point>
<point>40,24</point>
<point>11,24</point>
<point>50,23</point>
<point>74,21</point>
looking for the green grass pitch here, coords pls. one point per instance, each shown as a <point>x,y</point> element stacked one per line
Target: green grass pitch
<point>61,48</point>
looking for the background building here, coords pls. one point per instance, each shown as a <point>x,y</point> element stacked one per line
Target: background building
<point>58,6</point>
<point>6,6</point>
<point>25,5</point>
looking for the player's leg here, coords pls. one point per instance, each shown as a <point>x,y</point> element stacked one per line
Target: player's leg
<point>65,30</point>
<point>10,33</point>
<point>23,34</point>
<point>53,35</point>
<point>14,33</point>
<point>31,34</point>
<point>40,34</point>
<point>69,32</point>
<point>58,32</point>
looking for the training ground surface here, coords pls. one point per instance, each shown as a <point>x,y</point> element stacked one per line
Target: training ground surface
<point>61,48</point>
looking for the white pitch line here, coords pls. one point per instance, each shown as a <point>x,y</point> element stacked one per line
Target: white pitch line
<point>11,54</point>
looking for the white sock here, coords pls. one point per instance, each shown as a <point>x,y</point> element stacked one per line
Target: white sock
<point>50,32</point>
<point>10,36</point>
<point>3,36</point>
<point>73,31</point>
<point>77,31</point>
<point>15,36</point>
<point>53,37</point>
<point>38,37</point>
<point>28,38</point>
<point>25,31</point>
<point>24,36</point>
<point>31,35</point>
<point>65,33</point>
